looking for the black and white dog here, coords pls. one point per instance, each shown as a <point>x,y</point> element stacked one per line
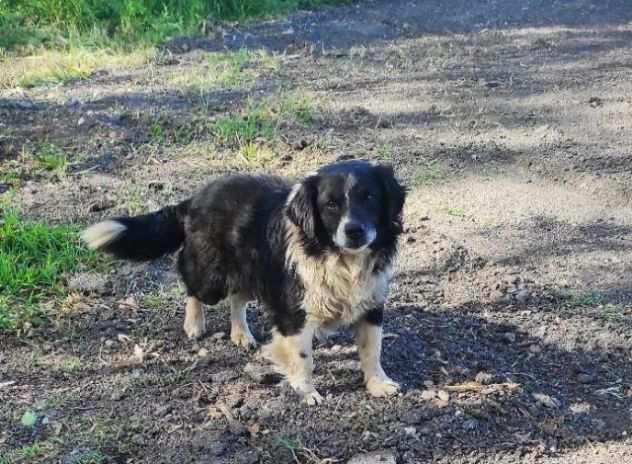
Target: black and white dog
<point>317,254</point>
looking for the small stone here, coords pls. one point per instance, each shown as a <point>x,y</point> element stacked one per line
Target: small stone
<point>109,343</point>
<point>86,282</point>
<point>376,457</point>
<point>546,400</point>
<point>138,439</point>
<point>81,120</point>
<point>117,396</point>
<point>585,378</point>
<point>428,395</point>
<point>497,296</point>
<point>470,424</point>
<point>443,395</point>
<point>595,102</point>
<point>535,349</point>
<point>203,353</point>
<point>224,376</point>
<point>509,337</point>
<point>218,335</point>
<point>410,431</point>
<point>260,373</point>
<point>100,205</point>
<point>522,296</point>
<point>484,378</point>
<point>162,411</point>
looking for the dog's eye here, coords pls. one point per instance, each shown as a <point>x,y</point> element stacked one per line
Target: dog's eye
<point>331,204</point>
<point>368,197</point>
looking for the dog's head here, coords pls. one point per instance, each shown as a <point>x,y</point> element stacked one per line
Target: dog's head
<point>353,206</point>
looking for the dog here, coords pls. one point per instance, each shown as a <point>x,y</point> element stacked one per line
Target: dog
<point>318,254</point>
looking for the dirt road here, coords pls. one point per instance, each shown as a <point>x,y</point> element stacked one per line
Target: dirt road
<point>510,316</point>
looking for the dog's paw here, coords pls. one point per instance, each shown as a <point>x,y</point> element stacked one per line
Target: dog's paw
<point>382,386</point>
<point>312,398</point>
<point>194,328</point>
<point>243,339</point>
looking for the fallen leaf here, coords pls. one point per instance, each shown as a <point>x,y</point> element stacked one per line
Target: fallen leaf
<point>253,429</point>
<point>139,354</point>
<point>546,400</point>
<point>214,413</point>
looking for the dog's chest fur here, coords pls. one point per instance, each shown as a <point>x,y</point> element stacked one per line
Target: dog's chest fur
<point>338,288</point>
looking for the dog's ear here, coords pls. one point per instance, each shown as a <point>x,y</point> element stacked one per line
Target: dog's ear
<point>395,195</point>
<point>301,206</point>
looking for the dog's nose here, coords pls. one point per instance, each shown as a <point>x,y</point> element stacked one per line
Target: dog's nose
<point>354,230</point>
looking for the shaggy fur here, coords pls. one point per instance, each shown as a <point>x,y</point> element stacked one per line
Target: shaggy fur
<point>317,254</point>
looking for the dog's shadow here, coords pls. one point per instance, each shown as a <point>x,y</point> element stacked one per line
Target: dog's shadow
<point>497,376</point>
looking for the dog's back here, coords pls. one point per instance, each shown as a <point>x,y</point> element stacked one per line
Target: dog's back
<point>227,235</point>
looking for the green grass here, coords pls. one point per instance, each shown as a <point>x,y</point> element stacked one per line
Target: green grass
<point>259,121</point>
<point>34,259</point>
<point>38,451</point>
<point>385,152</point>
<point>243,128</point>
<point>586,300</point>
<point>426,175</point>
<point>28,23</point>
<point>89,457</point>
<point>45,66</point>
<point>225,70</point>
<point>456,211</point>
<point>52,159</point>
<point>45,160</point>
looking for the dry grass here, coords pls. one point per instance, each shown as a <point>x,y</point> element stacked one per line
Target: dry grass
<point>51,67</point>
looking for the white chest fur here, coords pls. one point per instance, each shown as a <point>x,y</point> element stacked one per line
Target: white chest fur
<point>339,288</point>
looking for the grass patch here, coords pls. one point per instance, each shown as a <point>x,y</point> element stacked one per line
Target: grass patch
<point>89,457</point>
<point>426,175</point>
<point>587,300</point>
<point>52,159</point>
<point>53,67</point>
<point>152,302</point>
<point>39,451</point>
<point>62,364</point>
<point>255,154</point>
<point>385,152</point>
<point>297,107</point>
<point>299,452</point>
<point>46,160</point>
<point>456,211</point>
<point>595,303</point>
<point>28,23</point>
<point>243,128</point>
<point>260,121</point>
<point>225,70</point>
<point>34,258</point>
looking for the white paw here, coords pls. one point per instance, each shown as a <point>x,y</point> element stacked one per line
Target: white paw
<point>312,398</point>
<point>194,328</point>
<point>382,386</point>
<point>244,339</point>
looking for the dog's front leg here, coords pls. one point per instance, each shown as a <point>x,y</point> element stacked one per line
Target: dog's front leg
<point>369,340</point>
<point>292,357</point>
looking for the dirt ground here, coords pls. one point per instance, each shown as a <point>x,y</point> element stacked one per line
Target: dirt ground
<point>510,314</point>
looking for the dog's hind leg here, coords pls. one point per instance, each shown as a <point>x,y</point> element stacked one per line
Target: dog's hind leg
<point>239,331</point>
<point>194,319</point>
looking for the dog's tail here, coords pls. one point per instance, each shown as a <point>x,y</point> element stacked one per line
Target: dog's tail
<point>140,238</point>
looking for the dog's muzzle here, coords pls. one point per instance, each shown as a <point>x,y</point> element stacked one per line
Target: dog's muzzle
<point>354,236</point>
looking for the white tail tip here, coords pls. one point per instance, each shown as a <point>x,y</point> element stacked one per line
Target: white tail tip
<point>101,234</point>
